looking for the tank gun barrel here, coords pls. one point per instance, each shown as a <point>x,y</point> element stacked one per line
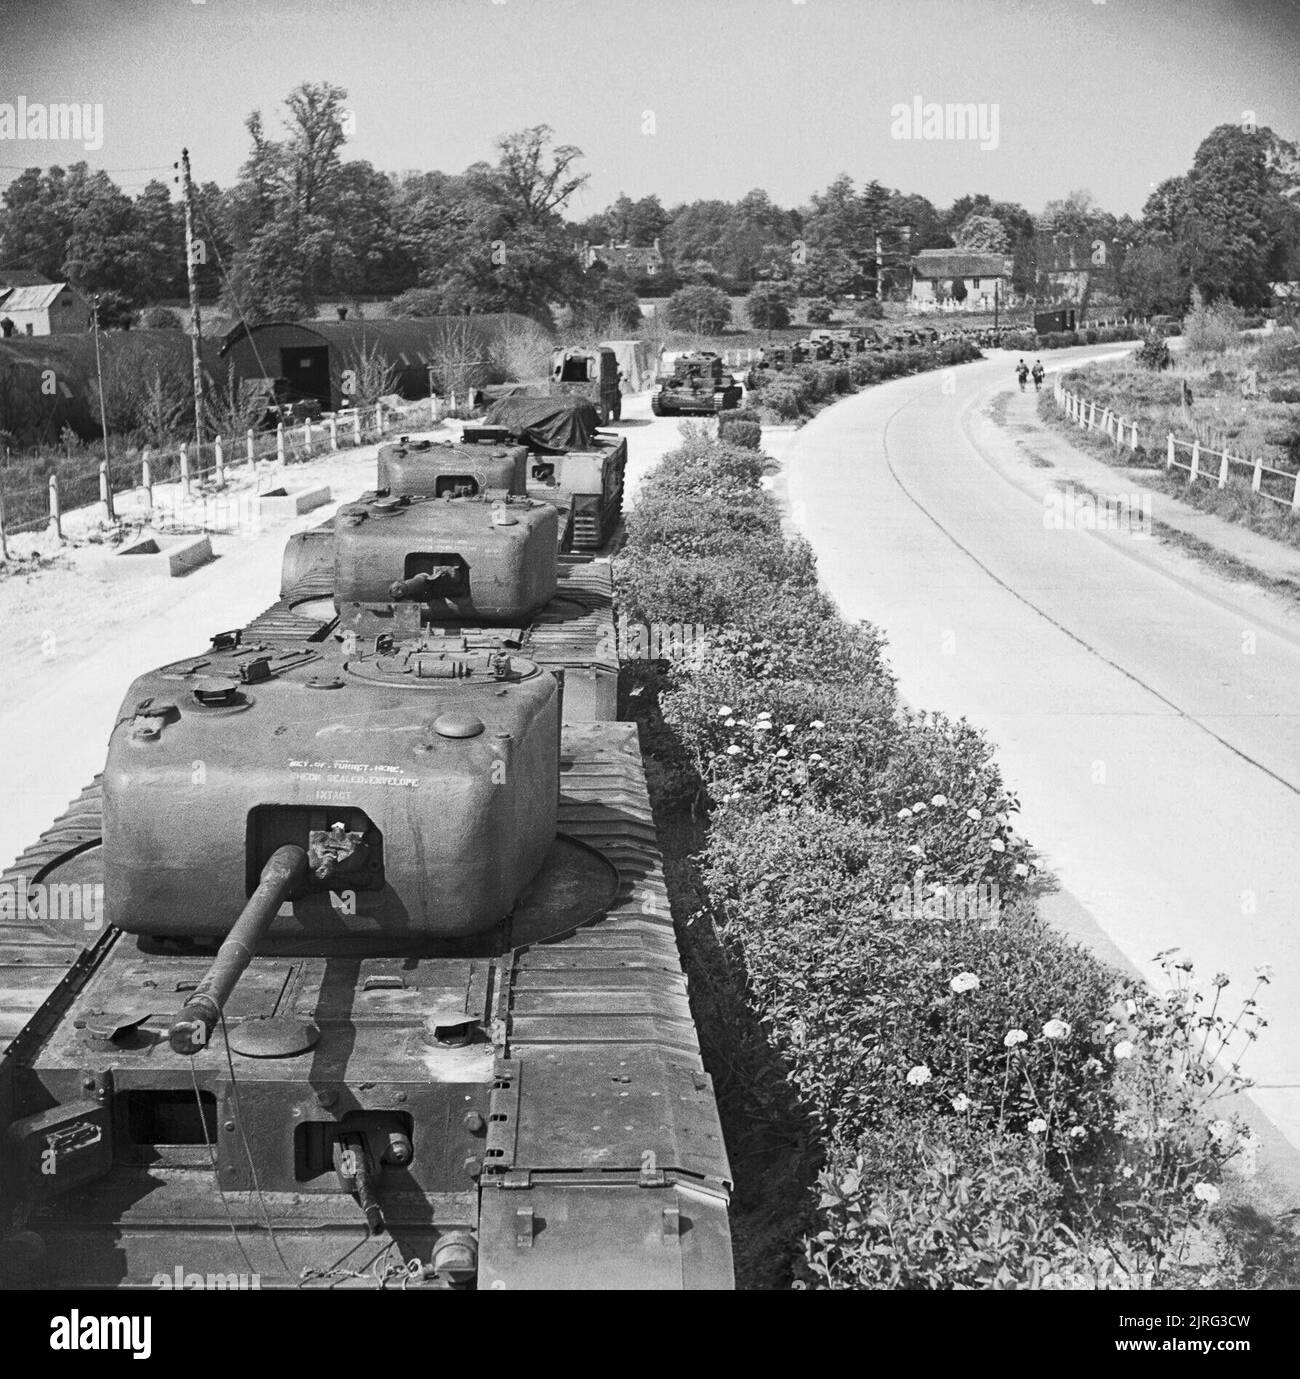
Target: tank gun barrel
<point>192,1028</point>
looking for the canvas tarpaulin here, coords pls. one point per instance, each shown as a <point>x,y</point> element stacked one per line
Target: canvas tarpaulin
<point>547,423</point>
<point>634,361</point>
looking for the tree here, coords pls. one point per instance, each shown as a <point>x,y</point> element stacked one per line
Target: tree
<point>609,300</point>
<point>699,310</point>
<point>282,212</point>
<point>819,311</point>
<point>983,234</point>
<point>768,306</point>
<point>959,293</point>
<point>1152,281</point>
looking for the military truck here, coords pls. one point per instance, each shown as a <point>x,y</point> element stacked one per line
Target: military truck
<point>697,386</point>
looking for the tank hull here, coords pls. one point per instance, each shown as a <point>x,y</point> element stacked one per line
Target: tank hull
<point>579,1018</point>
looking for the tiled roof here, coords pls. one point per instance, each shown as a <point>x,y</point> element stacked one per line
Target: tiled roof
<point>955,263</point>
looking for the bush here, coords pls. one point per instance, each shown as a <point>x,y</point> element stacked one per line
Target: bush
<point>700,310</point>
<point>994,1108</point>
<point>1154,353</point>
<point>1213,329</point>
<point>916,1208</point>
<point>159,318</point>
<point>768,306</point>
<point>746,434</point>
<point>784,398</point>
<point>868,309</point>
<point>1090,337</point>
<point>819,311</point>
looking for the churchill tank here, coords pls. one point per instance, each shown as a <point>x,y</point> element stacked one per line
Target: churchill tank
<point>697,386</point>
<point>379,986</point>
<point>543,448</point>
<point>482,569</point>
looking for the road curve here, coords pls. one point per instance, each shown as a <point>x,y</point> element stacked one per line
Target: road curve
<point>1147,717</point>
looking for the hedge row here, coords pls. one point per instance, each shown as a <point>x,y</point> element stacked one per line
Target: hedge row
<point>1062,339</point>
<point>799,391</point>
<point>989,1105</point>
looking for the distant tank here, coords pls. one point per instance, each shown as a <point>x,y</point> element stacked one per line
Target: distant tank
<point>376,995</point>
<point>696,386</point>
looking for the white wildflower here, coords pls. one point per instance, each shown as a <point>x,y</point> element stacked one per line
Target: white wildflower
<point>918,1076</point>
<point>1206,1192</point>
<point>1056,1029</point>
<point>1037,1126</point>
<point>965,981</point>
<point>1123,1050</point>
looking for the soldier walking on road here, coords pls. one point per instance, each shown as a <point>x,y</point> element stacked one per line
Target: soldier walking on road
<point>1038,375</point>
<point>1022,373</point>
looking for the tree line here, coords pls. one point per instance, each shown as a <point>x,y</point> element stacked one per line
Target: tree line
<point>303,224</point>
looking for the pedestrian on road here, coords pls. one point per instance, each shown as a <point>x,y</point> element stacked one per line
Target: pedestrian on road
<point>1038,375</point>
<point>1022,373</point>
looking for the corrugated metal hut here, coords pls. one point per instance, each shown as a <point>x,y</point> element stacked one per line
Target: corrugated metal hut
<point>315,358</point>
<point>47,382</point>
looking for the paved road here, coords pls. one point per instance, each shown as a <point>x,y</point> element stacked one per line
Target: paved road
<point>1146,716</point>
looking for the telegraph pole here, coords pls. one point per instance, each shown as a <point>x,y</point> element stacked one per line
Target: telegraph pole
<point>192,278</point>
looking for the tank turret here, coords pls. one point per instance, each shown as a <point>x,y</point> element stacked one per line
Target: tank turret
<point>468,559</point>
<point>427,469</point>
<point>419,779</point>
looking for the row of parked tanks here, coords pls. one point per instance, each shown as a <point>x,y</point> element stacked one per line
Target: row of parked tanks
<point>385,988</point>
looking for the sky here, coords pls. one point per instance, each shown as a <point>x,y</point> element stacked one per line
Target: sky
<point>683,98</point>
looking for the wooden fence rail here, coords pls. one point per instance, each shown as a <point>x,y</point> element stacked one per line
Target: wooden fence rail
<point>1282,486</point>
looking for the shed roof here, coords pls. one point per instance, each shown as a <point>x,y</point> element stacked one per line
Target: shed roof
<point>35,297</point>
<point>405,340</point>
<point>957,263</point>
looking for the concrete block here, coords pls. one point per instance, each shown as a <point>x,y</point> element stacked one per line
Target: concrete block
<point>292,502</point>
<point>155,556</point>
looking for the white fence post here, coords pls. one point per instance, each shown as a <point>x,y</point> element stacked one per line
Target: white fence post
<point>250,449</point>
<point>56,512</point>
<point>1258,474</point>
<point>1196,460</point>
<point>379,419</point>
<point>221,461</point>
<point>334,432</point>
<point>1223,469</point>
<point>1169,452</point>
<point>433,409</point>
<point>306,434</point>
<point>185,470</point>
<point>356,427</point>
<point>1092,415</point>
<point>279,444</point>
<point>1133,439</point>
<point>1295,496</point>
<point>146,481</point>
<point>105,493</point>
